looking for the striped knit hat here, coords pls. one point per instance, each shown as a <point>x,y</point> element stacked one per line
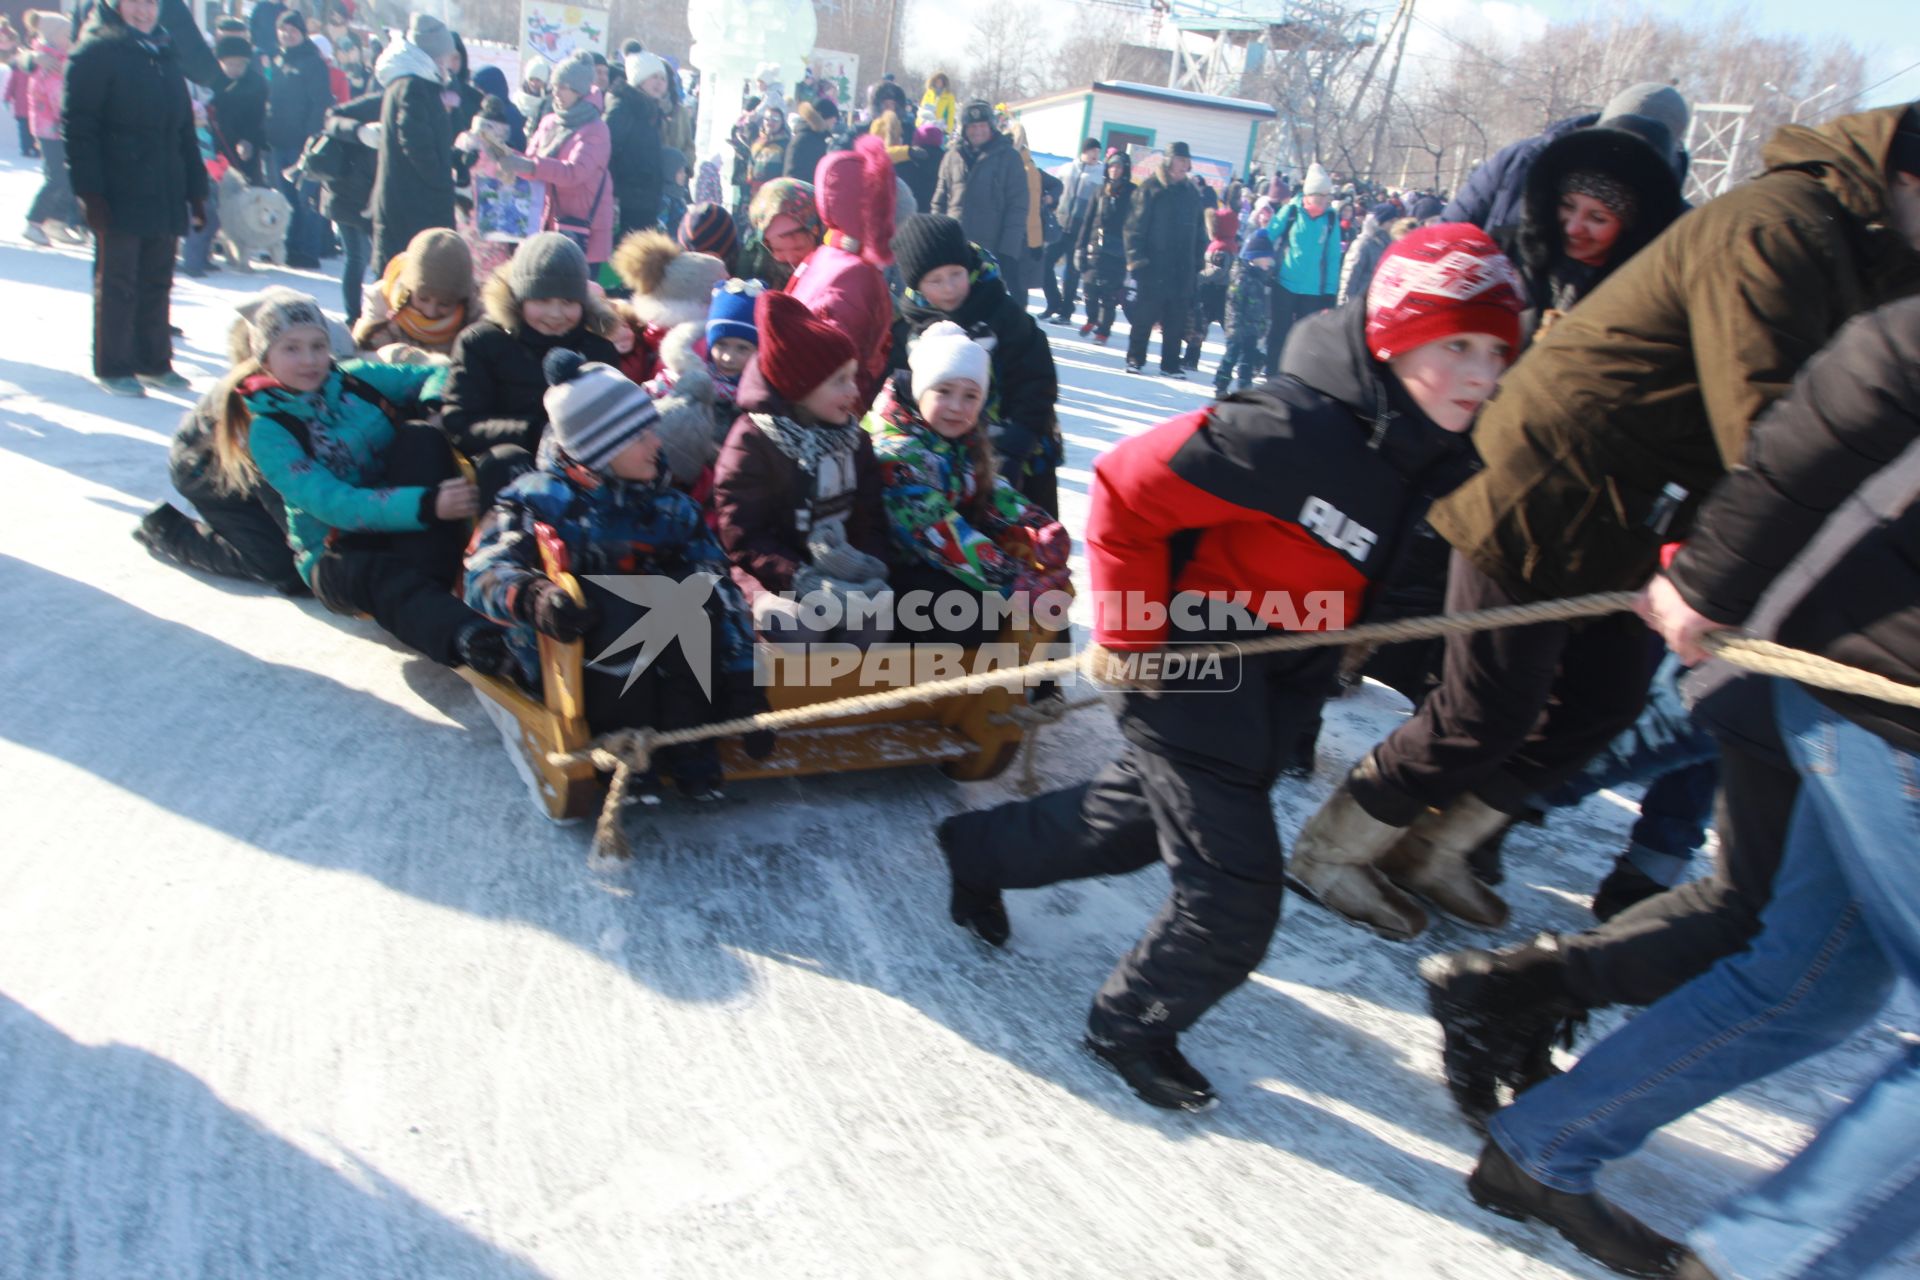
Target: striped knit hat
<point>709,229</point>
<point>595,410</point>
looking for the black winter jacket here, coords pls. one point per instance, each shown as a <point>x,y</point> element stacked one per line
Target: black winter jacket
<point>1536,244</point>
<point>413,186</point>
<point>239,112</point>
<point>1100,252</point>
<point>1301,492</point>
<point>298,97</point>
<point>1166,238</point>
<point>986,189</point>
<point>806,151</point>
<point>129,127</point>
<point>1816,537</point>
<point>348,198</point>
<point>1020,404</point>
<point>495,389</point>
<point>634,125</point>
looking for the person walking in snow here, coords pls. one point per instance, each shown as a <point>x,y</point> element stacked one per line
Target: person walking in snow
<point>54,213</point>
<point>1100,254</point>
<point>137,174</point>
<point>1165,245</point>
<point>1306,247</point>
<point>1220,502</point>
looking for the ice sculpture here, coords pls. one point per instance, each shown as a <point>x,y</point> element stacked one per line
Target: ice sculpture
<point>731,40</point>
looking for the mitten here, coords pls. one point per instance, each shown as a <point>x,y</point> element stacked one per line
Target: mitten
<point>1037,581</point>
<point>555,613</point>
<point>369,135</point>
<point>1052,544</point>
<point>830,553</point>
<point>94,209</point>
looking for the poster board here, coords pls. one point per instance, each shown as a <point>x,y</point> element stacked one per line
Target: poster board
<point>552,31</point>
<point>838,73</point>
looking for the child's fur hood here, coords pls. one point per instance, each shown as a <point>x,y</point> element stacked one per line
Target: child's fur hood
<point>678,351</point>
<point>504,309</point>
<point>671,286</point>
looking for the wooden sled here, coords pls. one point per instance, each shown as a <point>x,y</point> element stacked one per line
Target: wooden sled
<point>971,738</point>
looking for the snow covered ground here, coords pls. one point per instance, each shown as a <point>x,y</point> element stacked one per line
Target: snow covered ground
<point>294,981</point>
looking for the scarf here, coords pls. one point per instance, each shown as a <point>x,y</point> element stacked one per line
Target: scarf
<point>572,120</point>
<point>404,58</point>
<point>809,448</point>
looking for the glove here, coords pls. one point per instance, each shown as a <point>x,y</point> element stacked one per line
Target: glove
<point>740,696</point>
<point>369,135</point>
<point>834,558</point>
<point>555,613</point>
<point>197,214</point>
<point>94,209</point>
<point>1052,544</point>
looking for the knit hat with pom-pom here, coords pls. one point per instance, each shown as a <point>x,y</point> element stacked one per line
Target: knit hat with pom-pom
<point>730,315</point>
<point>594,410</point>
<point>1439,281</point>
<point>798,349</point>
<point>709,229</point>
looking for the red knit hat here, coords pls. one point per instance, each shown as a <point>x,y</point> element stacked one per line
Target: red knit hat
<point>798,349</point>
<point>1442,280</point>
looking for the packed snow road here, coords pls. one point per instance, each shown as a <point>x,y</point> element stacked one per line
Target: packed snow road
<point>294,981</point>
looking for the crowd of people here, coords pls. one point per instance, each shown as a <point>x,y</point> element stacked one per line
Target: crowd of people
<point>819,385</point>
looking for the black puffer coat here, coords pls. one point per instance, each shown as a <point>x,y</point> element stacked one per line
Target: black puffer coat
<point>1100,252</point>
<point>1535,244</point>
<point>1816,537</point>
<point>634,126</point>
<point>347,198</point>
<point>298,97</point>
<point>239,114</point>
<point>1020,404</point>
<point>129,128</point>
<point>496,389</point>
<point>1166,239</point>
<point>413,186</point>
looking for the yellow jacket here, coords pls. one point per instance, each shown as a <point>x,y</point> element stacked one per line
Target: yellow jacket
<point>942,109</point>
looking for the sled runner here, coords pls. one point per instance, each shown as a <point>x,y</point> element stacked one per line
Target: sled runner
<point>972,738</point>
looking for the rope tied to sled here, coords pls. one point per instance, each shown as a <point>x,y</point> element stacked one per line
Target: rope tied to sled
<point>629,751</point>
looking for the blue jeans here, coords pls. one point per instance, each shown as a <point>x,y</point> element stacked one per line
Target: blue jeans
<point>196,247</point>
<point>1843,926</point>
<point>357,248</point>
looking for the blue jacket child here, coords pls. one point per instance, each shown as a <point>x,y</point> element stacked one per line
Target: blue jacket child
<point>602,489</point>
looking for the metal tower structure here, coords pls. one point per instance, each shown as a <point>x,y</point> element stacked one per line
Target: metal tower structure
<point>1714,140</point>
<point>1220,45</point>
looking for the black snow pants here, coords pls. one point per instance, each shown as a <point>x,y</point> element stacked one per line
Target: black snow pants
<point>1664,942</point>
<point>1191,790</point>
<point>405,580</point>
<point>1518,710</point>
<point>1169,308</point>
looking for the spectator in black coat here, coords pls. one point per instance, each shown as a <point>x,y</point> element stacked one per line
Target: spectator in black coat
<point>1166,242</point>
<point>413,187</point>
<point>136,171</point>
<point>346,197</point>
<point>810,138</point>
<point>636,128</point>
<point>298,98</point>
<point>190,51</point>
<point>239,109</point>
<point>260,26</point>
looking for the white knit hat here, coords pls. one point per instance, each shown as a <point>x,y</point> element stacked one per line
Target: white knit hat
<point>536,68</point>
<point>1317,183</point>
<point>944,353</point>
<point>643,66</point>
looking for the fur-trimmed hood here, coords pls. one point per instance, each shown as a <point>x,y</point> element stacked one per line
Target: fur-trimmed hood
<point>671,286</point>
<point>503,308</point>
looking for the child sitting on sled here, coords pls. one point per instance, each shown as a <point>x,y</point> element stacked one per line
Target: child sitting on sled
<point>697,389</point>
<point>955,522</point>
<point>602,493</point>
<point>797,489</point>
<point>376,513</point>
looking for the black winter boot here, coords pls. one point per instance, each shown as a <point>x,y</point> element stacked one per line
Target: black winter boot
<point>1500,1012</point>
<point>1609,1235</point>
<point>483,646</point>
<point>979,911</point>
<point>1156,1071</point>
<point>1625,885</point>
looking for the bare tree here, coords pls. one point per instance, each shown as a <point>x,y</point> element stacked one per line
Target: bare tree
<point>1003,64</point>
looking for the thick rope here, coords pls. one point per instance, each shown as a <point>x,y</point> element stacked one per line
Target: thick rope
<point>630,751</point>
